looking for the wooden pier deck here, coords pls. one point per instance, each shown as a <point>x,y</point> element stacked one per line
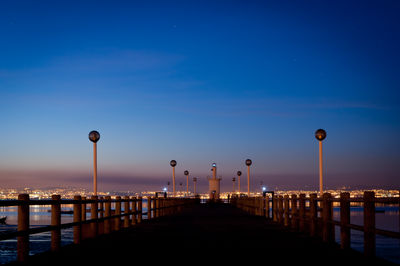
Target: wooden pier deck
<point>204,233</point>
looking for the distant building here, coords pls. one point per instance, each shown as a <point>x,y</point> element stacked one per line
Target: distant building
<point>214,184</point>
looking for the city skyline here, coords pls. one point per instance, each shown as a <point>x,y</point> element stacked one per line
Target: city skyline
<point>199,82</point>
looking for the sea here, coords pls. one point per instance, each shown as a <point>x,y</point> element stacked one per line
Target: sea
<point>386,218</point>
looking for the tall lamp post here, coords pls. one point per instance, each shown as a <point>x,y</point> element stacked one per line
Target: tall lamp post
<point>248,163</point>
<point>94,137</point>
<point>194,185</point>
<point>239,173</point>
<point>320,135</point>
<point>173,164</point>
<point>233,181</point>
<point>186,173</point>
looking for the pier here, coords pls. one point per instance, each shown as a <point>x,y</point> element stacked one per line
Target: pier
<point>278,229</point>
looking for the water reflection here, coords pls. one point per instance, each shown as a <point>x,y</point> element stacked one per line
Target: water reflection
<point>387,218</point>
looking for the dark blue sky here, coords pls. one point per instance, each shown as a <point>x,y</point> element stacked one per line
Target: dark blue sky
<point>198,82</point>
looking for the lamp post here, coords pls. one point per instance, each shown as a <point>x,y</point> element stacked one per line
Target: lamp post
<point>173,164</point>
<point>248,163</point>
<point>194,185</point>
<point>94,137</point>
<point>239,173</point>
<point>233,181</point>
<point>186,173</point>
<point>320,135</point>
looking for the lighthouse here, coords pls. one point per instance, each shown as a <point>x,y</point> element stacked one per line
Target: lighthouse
<point>214,184</point>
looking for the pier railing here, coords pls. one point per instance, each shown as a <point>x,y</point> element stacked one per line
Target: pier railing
<point>314,215</point>
<point>103,219</point>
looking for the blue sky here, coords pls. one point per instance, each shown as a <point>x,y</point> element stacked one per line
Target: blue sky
<point>199,82</point>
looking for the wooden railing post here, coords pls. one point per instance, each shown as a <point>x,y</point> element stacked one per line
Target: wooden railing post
<point>77,219</point>
<point>295,219</point>
<point>118,212</point>
<point>328,232</point>
<point>261,202</point>
<point>101,207</point>
<point>302,212</point>
<point>140,209</point>
<point>107,214</point>
<point>126,210</point>
<point>344,220</point>
<point>83,209</point>
<point>162,202</point>
<point>172,206</point>
<point>313,214</point>
<point>369,223</point>
<point>148,207</point>
<point>280,209</point>
<point>261,206</point>
<point>286,210</point>
<point>166,207</point>
<point>23,224</point>
<point>157,207</point>
<point>134,210</point>
<point>275,209</point>
<point>254,206</point>
<point>56,221</point>
<point>94,216</point>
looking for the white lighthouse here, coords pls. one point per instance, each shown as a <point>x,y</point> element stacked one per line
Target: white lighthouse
<point>214,184</point>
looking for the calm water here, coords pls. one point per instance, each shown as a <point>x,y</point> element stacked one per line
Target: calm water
<point>387,219</point>
<point>387,248</point>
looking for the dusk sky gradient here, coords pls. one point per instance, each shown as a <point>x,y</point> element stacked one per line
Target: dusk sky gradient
<point>199,82</point>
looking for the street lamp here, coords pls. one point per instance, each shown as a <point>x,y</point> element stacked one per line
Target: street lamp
<point>194,185</point>
<point>186,173</point>
<point>173,164</point>
<point>248,163</point>
<point>94,137</point>
<point>320,135</point>
<point>233,181</point>
<point>239,173</point>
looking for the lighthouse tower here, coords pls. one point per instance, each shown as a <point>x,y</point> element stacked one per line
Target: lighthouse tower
<point>214,184</point>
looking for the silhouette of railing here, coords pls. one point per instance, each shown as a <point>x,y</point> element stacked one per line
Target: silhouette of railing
<point>103,219</point>
<point>315,215</point>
